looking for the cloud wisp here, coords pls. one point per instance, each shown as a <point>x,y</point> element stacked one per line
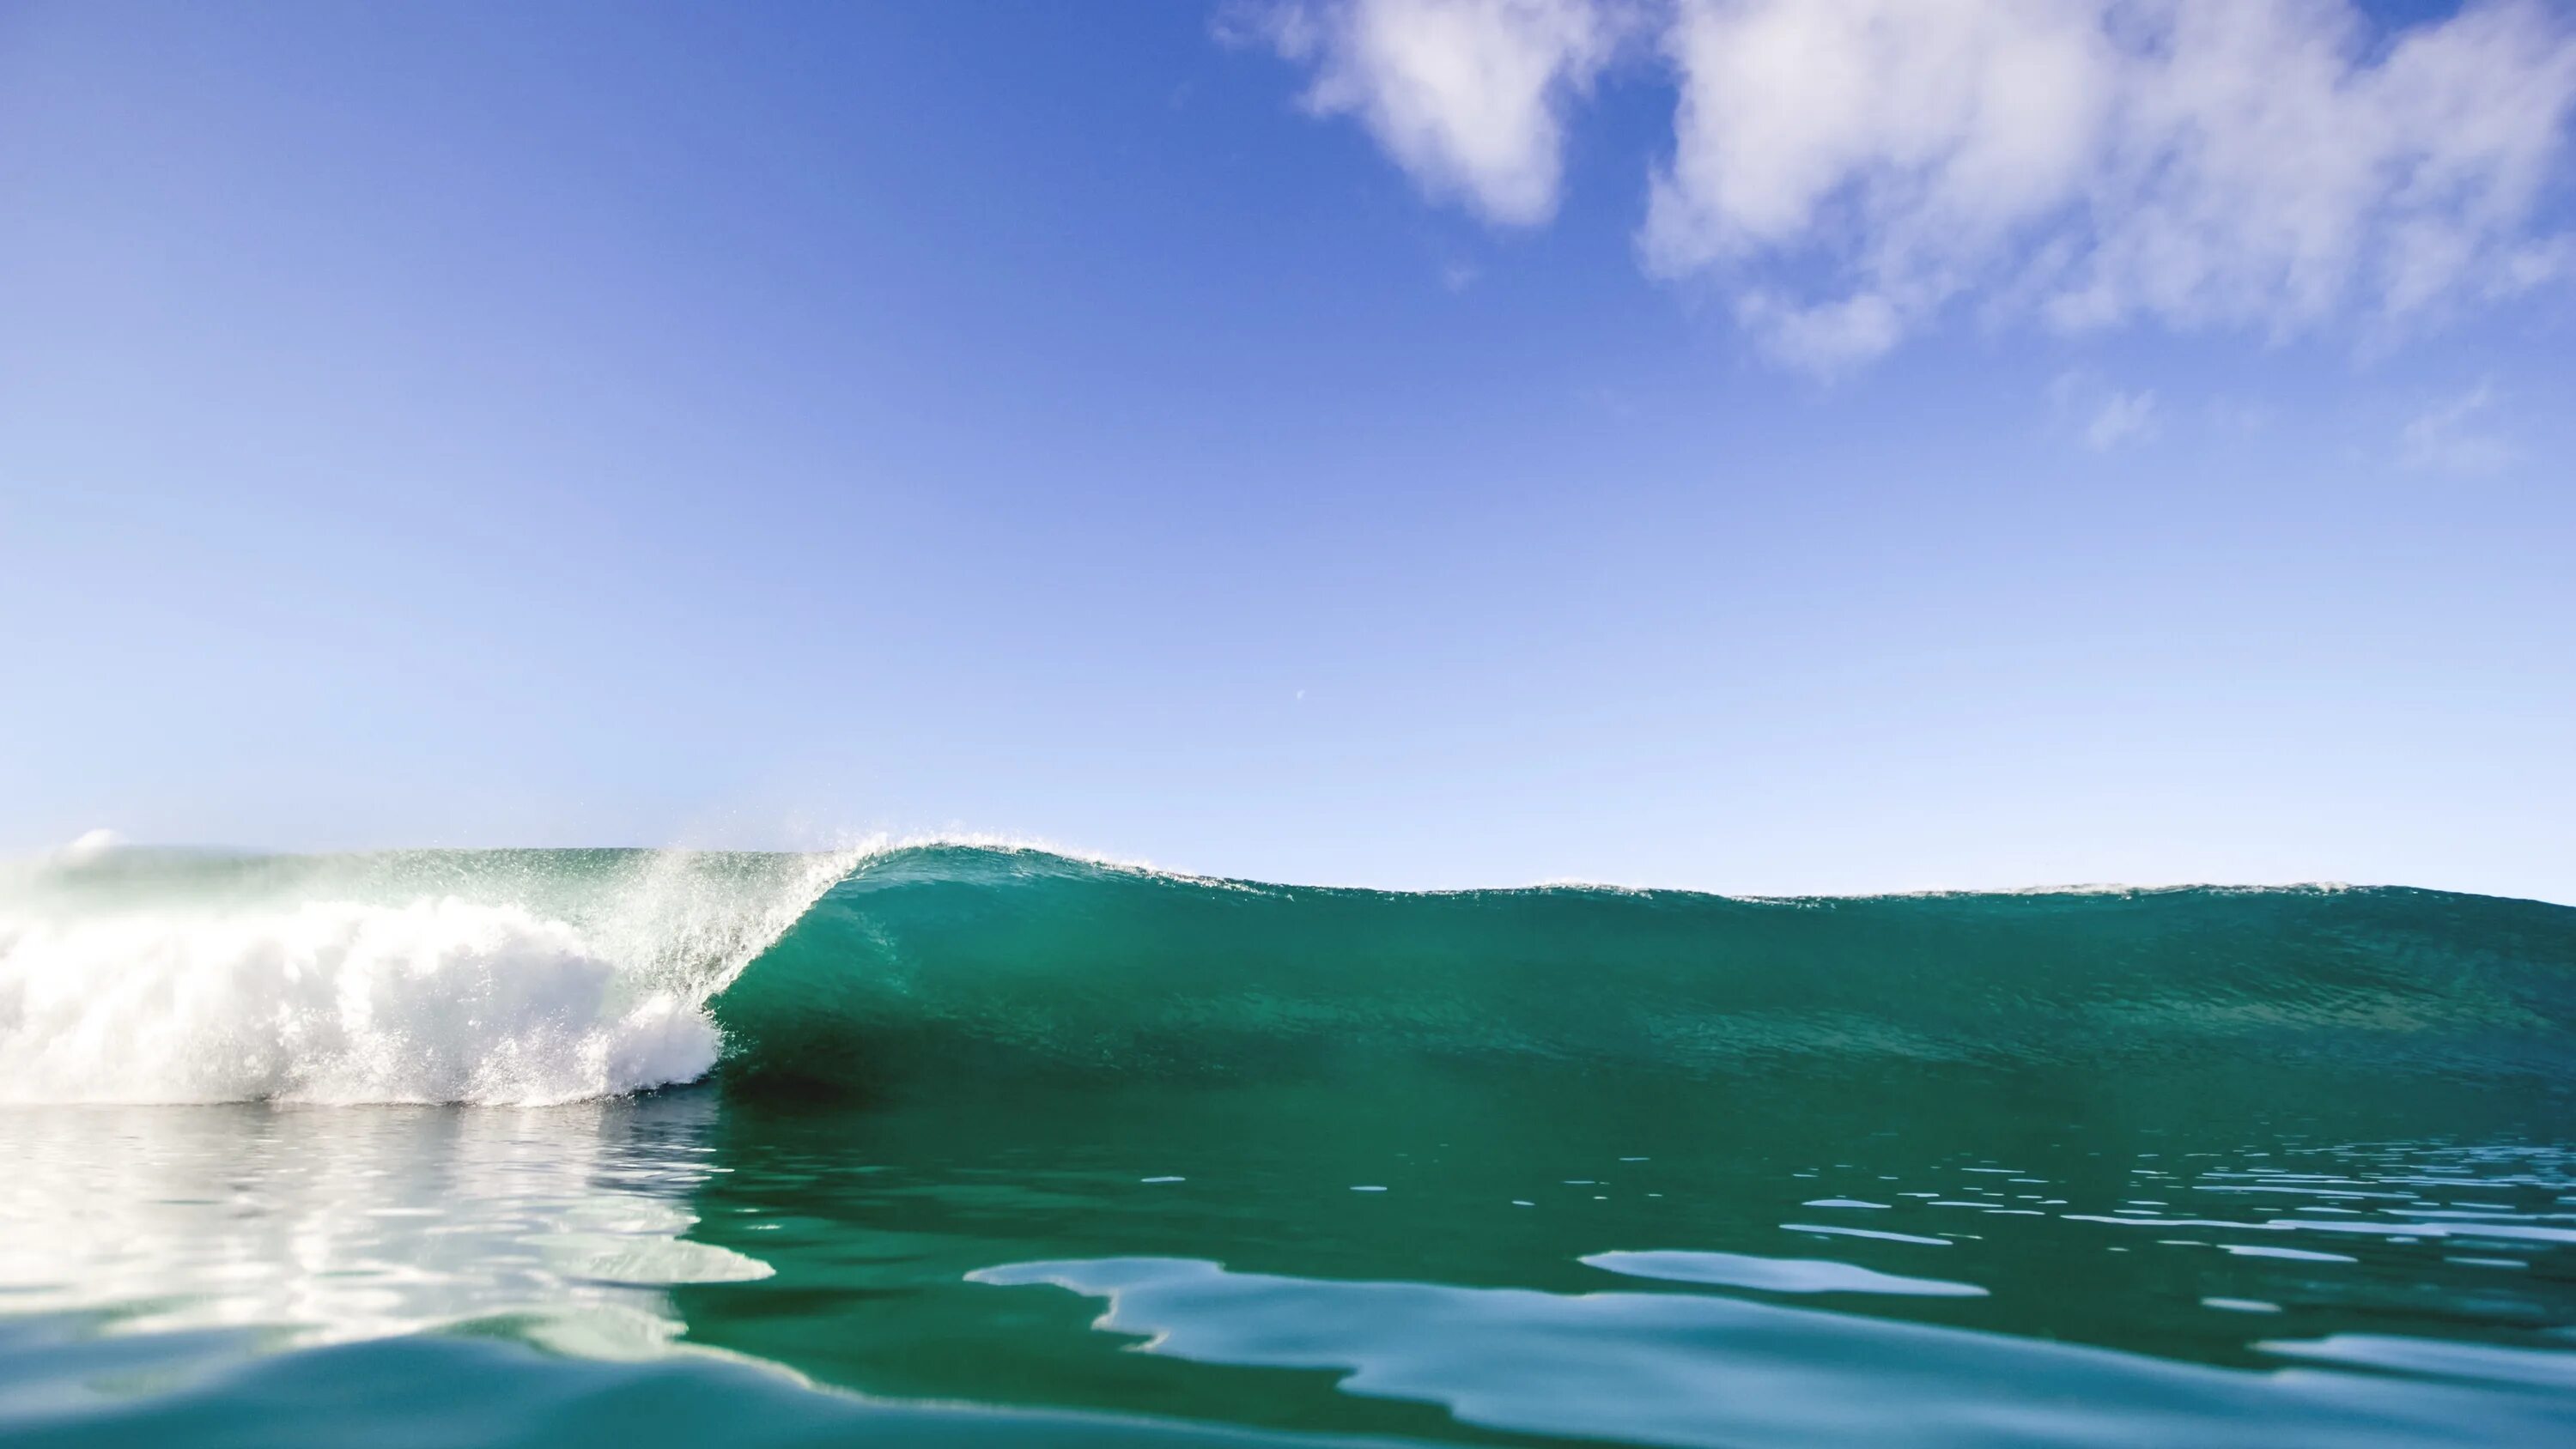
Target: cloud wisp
<point>2452,437</point>
<point>2104,417</point>
<point>1847,172</point>
<point>1468,96</point>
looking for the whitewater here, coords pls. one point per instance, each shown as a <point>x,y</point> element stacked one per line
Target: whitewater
<point>499,977</point>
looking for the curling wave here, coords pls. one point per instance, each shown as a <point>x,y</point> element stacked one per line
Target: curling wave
<point>541,976</point>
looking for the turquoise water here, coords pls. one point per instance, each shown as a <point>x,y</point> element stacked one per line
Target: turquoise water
<point>969,1145</point>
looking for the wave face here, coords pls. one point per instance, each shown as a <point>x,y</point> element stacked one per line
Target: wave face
<point>950,968</point>
<point>537,976</point>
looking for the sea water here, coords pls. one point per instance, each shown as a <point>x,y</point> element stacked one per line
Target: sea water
<point>972,1144</point>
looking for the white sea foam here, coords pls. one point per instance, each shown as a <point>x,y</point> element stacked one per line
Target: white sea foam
<point>498,977</point>
<point>425,978</point>
<point>436,1001</point>
<point>90,846</point>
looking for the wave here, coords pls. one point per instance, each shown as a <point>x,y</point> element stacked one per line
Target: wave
<point>946,969</point>
<point>896,968</point>
<point>421,976</point>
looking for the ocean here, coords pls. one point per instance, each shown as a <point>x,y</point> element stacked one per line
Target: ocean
<point>964,1144</point>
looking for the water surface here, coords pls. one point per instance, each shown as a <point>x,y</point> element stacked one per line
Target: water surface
<point>998,1146</point>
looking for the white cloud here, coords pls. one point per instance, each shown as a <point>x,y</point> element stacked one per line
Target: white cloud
<point>1469,96</point>
<point>2123,417</point>
<point>2449,438</point>
<point>1849,170</point>
<point>2111,418</point>
<point>1824,336</point>
<point>2192,162</point>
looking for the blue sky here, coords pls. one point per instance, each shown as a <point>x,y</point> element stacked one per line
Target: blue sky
<point>1416,442</point>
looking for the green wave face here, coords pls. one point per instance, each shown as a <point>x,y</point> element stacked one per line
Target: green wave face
<point>950,969</point>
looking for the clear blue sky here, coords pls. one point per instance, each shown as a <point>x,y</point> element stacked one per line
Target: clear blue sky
<point>1418,442</point>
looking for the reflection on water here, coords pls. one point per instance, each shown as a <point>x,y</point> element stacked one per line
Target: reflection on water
<point>1777,1275</point>
<point>322,1225</point>
<point>1686,1369</point>
<point>1533,1267</point>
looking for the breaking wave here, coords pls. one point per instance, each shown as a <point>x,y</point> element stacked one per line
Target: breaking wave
<point>545,976</point>
<point>484,976</point>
